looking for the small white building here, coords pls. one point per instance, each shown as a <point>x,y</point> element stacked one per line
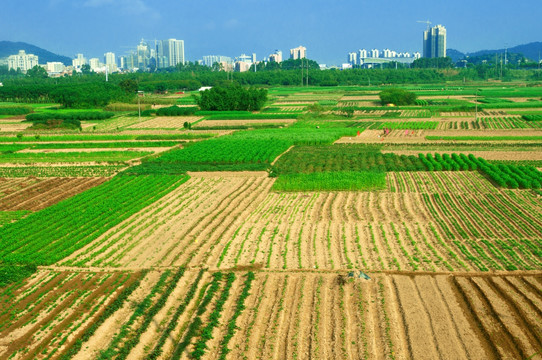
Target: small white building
<point>54,67</point>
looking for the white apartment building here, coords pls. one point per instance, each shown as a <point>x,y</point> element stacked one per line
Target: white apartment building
<point>375,53</point>
<point>79,61</point>
<point>110,62</point>
<point>55,67</point>
<point>352,58</point>
<point>173,50</point>
<point>299,52</point>
<point>95,64</point>
<point>276,56</point>
<point>22,61</point>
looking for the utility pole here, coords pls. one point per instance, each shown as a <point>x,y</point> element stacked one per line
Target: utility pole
<point>476,105</point>
<point>307,72</point>
<point>139,94</point>
<point>302,75</point>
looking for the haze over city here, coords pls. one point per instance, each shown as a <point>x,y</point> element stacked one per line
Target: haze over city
<point>329,30</point>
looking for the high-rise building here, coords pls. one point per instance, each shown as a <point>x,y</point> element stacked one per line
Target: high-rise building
<point>173,50</point>
<point>375,53</point>
<point>209,60</point>
<point>276,56</point>
<point>434,42</point>
<point>22,61</point>
<point>363,54</point>
<point>299,52</point>
<point>79,61</point>
<point>353,58</point>
<point>143,55</point>
<point>110,62</point>
<point>94,64</point>
<point>244,58</point>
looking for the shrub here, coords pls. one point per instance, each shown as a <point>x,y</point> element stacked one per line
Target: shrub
<point>397,97</point>
<point>232,97</point>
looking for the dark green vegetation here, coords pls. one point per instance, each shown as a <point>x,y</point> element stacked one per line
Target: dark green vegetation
<point>242,151</point>
<point>232,98</point>
<point>51,234</point>
<point>300,165</point>
<point>332,181</point>
<point>12,273</point>
<point>15,110</point>
<point>343,157</point>
<point>397,97</point>
<point>226,154</point>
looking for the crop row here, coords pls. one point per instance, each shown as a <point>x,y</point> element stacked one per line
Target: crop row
<point>60,171</point>
<point>409,125</point>
<point>329,181</point>
<point>64,157</point>
<point>103,137</point>
<point>225,153</point>
<point>51,234</point>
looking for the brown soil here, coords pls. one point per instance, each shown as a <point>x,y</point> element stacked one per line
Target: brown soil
<point>41,193</point>
<point>173,122</point>
<point>244,122</point>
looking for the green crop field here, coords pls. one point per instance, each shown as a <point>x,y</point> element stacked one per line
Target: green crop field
<point>319,224</point>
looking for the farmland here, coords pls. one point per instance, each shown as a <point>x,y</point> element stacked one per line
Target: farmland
<point>295,232</point>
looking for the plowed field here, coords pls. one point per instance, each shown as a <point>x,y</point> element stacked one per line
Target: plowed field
<point>425,221</point>
<point>37,193</point>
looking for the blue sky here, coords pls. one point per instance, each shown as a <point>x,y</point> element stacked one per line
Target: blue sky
<point>329,29</point>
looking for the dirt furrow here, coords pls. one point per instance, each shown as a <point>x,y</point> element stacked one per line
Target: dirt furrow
<point>419,327</point>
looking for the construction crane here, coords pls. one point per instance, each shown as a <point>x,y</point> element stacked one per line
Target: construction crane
<point>426,22</point>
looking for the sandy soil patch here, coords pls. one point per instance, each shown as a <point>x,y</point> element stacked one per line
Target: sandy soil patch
<point>14,127</point>
<point>244,122</point>
<point>89,150</point>
<point>362,97</point>
<point>173,122</point>
<point>227,174</point>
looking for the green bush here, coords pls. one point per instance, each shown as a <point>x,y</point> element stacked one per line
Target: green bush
<point>397,97</point>
<point>232,97</point>
<point>176,111</point>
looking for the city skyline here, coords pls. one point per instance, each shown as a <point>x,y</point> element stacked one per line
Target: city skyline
<point>95,27</point>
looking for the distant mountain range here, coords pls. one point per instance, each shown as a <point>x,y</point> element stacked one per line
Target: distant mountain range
<point>531,51</point>
<point>8,48</point>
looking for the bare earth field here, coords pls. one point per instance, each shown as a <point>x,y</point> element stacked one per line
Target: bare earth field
<point>166,122</point>
<point>418,224</point>
<point>244,122</point>
<point>36,194</point>
<point>304,315</point>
